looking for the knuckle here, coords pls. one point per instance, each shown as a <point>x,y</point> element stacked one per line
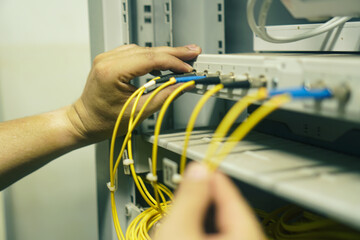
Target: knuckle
<point>98,59</point>
<point>101,70</point>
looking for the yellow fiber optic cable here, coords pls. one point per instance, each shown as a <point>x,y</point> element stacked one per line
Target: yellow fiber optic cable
<point>128,135</point>
<point>112,171</point>
<point>137,119</point>
<point>143,191</point>
<point>139,227</point>
<point>116,128</point>
<point>163,188</point>
<point>118,229</point>
<point>141,187</point>
<point>304,227</point>
<point>162,196</point>
<point>273,215</point>
<point>160,119</point>
<point>231,117</point>
<point>292,222</point>
<point>117,226</point>
<point>157,132</point>
<point>240,132</point>
<point>133,124</point>
<point>324,234</point>
<point>192,121</point>
<point>113,204</point>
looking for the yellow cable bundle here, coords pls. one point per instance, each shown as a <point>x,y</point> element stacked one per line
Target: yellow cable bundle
<point>137,119</point>
<point>145,220</point>
<point>157,132</point>
<point>231,117</point>
<point>292,222</point>
<point>127,140</point>
<point>139,228</point>
<point>244,128</point>
<point>192,121</point>
<point>117,226</point>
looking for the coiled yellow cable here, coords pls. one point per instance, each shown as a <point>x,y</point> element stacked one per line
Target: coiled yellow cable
<point>293,222</point>
<point>141,229</point>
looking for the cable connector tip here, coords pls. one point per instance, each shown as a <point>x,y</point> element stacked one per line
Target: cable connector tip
<point>176,178</point>
<point>149,84</point>
<point>151,177</point>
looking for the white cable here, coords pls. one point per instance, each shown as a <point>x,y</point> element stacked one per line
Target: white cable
<point>261,32</point>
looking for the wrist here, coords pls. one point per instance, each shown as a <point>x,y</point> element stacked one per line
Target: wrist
<point>75,124</point>
<point>88,126</point>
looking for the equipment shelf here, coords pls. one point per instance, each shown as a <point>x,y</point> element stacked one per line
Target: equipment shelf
<point>324,181</point>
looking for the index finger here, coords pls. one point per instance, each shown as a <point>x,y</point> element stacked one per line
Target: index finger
<point>140,61</point>
<point>234,215</point>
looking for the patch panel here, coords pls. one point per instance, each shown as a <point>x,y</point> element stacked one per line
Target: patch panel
<point>338,72</point>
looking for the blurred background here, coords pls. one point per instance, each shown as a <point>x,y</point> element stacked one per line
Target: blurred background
<point>44,62</point>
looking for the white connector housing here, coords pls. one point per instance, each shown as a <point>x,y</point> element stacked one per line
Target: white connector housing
<point>318,9</point>
<point>170,169</point>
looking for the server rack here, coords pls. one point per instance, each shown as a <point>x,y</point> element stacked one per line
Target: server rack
<point>306,153</point>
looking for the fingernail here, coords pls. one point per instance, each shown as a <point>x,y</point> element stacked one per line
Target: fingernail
<point>196,171</point>
<point>189,67</point>
<point>193,47</point>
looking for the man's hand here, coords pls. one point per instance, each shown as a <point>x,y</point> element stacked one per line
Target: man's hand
<point>108,87</point>
<point>233,217</point>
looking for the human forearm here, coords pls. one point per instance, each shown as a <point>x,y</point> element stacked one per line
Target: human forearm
<point>29,143</point>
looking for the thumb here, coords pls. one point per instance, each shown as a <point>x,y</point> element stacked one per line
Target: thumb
<point>191,201</point>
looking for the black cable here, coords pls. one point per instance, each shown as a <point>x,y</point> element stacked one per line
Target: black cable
<point>208,81</point>
<point>240,84</point>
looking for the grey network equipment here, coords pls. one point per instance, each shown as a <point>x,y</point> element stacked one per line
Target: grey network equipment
<point>305,153</point>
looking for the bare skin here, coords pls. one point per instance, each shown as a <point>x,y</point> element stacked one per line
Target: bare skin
<point>234,218</point>
<point>29,143</point>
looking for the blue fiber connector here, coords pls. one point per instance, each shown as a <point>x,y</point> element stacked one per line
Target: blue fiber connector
<point>188,78</point>
<point>303,92</point>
